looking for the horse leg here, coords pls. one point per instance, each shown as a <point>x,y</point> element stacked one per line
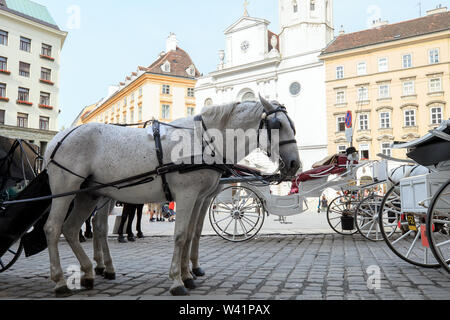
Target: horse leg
<point>83,207</point>
<point>185,206</point>
<point>186,274</point>
<point>53,229</point>
<point>196,269</point>
<point>102,254</point>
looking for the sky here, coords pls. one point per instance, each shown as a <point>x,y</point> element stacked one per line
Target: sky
<point>108,39</point>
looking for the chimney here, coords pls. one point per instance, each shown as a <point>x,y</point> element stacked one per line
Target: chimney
<point>379,23</point>
<point>342,31</point>
<point>171,43</point>
<point>439,9</point>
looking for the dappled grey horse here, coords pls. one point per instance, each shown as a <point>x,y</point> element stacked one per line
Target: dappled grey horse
<point>98,154</point>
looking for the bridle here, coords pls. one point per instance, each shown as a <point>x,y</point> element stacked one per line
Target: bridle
<point>274,124</point>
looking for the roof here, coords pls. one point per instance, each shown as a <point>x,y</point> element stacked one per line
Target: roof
<point>391,32</point>
<point>179,61</point>
<point>30,10</point>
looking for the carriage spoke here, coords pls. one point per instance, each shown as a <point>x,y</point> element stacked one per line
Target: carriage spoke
<point>228,225</point>
<point>412,245</point>
<point>443,243</point>
<point>251,206</point>
<point>402,237</point>
<point>243,228</point>
<point>217,222</point>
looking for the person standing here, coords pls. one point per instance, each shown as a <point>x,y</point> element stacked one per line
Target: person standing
<point>128,213</point>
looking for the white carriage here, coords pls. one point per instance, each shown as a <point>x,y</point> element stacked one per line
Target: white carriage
<point>414,217</point>
<point>238,212</point>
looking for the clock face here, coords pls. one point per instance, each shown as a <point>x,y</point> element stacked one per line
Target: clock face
<point>245,45</point>
<point>295,88</point>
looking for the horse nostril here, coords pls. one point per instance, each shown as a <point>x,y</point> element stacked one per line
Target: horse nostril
<point>294,164</point>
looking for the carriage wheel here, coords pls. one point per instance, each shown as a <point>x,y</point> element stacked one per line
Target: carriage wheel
<point>366,217</point>
<point>438,226</point>
<point>11,256</point>
<point>238,218</point>
<point>404,238</point>
<point>340,215</point>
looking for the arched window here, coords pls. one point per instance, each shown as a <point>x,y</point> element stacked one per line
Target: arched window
<point>248,96</point>
<point>295,5</point>
<point>208,102</point>
<point>312,5</point>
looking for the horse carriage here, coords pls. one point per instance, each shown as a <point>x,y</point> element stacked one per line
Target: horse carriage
<point>238,212</point>
<point>412,217</point>
<point>20,163</point>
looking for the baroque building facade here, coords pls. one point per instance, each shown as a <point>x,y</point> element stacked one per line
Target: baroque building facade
<point>394,78</point>
<point>164,91</point>
<point>283,67</point>
<point>30,47</point>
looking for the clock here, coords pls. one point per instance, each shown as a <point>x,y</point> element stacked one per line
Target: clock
<point>295,88</point>
<point>245,45</point>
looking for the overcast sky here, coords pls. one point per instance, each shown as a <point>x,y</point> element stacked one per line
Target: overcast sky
<point>108,39</point>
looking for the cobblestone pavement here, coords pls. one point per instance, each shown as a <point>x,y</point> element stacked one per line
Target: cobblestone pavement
<point>270,267</point>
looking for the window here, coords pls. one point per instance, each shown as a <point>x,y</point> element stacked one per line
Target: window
<point>3,37</point>
<point>44,123</point>
<point>44,99</point>
<point>385,120</point>
<point>410,118</point>
<point>2,116</point>
<point>341,124</point>
<point>2,90</point>
<point>436,115</point>
<point>363,122</point>
<point>340,72</point>
<point>191,92</point>
<point>295,5</point>
<point>435,85</point>
<point>140,92</point>
<point>340,97</point>
<point>386,149</point>
<point>407,61</point>
<point>132,116</point>
<point>166,66</point>
<point>342,149</point>
<point>362,68</point>
<point>132,97</point>
<point>124,117</point>
<point>3,63</point>
<point>165,89</point>
<point>125,101</point>
<point>312,5</point>
<point>364,152</point>
<point>46,74</point>
<point>25,44</point>
<point>363,94</point>
<point>434,56</point>
<point>408,88</point>
<point>190,111</point>
<point>24,69</point>
<point>249,96</point>
<point>384,91</point>
<point>46,50</point>
<point>165,111</point>
<point>140,113</point>
<point>22,120</point>
<point>383,65</point>
<point>24,94</point>
<point>208,102</point>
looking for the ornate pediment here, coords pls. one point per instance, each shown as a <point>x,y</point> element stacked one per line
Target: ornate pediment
<point>364,138</point>
<point>410,136</point>
<point>386,137</point>
<point>244,23</point>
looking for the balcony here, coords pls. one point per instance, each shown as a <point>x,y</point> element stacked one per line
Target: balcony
<point>43,56</point>
<point>4,99</point>
<point>26,103</point>
<point>5,72</point>
<point>44,106</point>
<point>50,83</point>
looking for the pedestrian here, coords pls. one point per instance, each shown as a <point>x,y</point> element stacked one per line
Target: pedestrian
<point>128,213</point>
<point>324,203</point>
<point>172,211</point>
<point>155,210</point>
<point>318,206</point>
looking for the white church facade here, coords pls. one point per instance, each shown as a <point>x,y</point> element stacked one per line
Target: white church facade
<point>283,67</point>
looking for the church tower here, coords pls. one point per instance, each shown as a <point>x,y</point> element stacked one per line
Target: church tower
<point>305,25</point>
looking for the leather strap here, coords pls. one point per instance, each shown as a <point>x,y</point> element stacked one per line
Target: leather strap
<point>159,155</point>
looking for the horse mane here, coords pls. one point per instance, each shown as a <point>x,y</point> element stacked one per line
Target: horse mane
<point>221,114</point>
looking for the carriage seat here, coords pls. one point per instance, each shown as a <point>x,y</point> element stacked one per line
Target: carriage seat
<point>335,164</point>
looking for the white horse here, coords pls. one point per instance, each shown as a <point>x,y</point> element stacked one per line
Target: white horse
<point>97,153</point>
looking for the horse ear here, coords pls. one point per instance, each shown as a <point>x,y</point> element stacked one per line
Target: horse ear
<point>266,104</point>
